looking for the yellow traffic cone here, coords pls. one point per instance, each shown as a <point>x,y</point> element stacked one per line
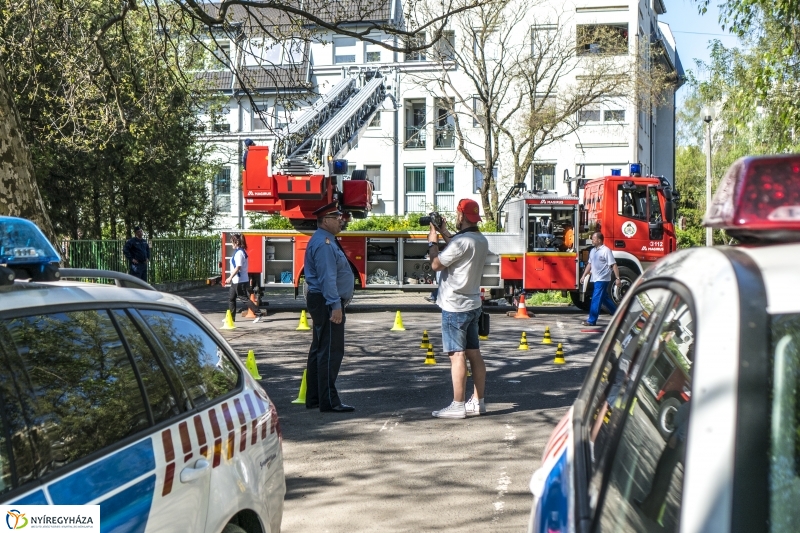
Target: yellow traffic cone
<point>228,323</point>
<point>559,360</point>
<point>398,323</point>
<point>301,397</point>
<point>251,365</point>
<point>523,342</point>
<point>430,359</point>
<point>547,339</point>
<point>425,340</point>
<point>303,326</point>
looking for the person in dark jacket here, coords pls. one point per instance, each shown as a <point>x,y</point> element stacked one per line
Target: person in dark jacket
<point>137,252</point>
<point>247,144</point>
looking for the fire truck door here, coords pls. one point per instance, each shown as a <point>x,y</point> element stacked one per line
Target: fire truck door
<point>300,245</point>
<point>630,229</point>
<point>537,272</point>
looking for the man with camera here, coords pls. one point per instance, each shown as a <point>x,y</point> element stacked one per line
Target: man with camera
<point>461,265</point>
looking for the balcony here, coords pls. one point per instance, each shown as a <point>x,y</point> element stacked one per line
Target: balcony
<point>415,137</point>
<point>445,137</point>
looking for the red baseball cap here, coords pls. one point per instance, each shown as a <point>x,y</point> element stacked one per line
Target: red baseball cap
<point>470,209</point>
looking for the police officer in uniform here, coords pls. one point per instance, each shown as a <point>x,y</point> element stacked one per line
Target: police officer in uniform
<point>330,286</point>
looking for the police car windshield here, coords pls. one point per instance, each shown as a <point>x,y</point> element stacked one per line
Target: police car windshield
<point>784,478</point>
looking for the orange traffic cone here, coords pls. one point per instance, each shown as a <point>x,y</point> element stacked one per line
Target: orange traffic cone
<point>250,313</point>
<point>522,310</point>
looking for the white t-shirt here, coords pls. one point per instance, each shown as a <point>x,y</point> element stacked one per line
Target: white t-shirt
<point>601,260</point>
<point>239,259</point>
<point>460,284</point>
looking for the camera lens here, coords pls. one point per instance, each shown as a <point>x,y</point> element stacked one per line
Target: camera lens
<point>424,221</point>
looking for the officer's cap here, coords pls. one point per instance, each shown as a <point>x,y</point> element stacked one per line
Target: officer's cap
<point>330,209</point>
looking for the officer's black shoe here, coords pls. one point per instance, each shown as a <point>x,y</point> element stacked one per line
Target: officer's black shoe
<point>341,408</point>
<point>312,406</point>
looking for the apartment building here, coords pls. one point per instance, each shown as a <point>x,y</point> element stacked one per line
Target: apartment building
<point>411,149</point>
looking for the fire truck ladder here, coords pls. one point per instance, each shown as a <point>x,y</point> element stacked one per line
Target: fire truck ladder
<point>337,133</point>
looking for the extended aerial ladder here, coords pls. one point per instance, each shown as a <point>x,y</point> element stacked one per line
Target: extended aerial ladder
<point>306,170</point>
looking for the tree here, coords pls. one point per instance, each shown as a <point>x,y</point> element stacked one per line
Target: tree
<point>527,80</point>
<point>100,81</point>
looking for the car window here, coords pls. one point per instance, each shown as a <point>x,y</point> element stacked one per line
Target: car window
<point>67,389</point>
<point>643,491</point>
<point>204,368</point>
<point>620,359</point>
<point>784,457</point>
<point>160,393</point>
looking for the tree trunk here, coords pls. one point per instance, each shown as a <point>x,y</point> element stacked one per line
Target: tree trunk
<point>19,194</point>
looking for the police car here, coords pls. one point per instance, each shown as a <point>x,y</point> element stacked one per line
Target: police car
<point>689,417</point>
<point>127,398</point>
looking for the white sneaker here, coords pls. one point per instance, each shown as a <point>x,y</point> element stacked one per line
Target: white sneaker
<point>454,410</point>
<point>258,319</point>
<point>475,407</point>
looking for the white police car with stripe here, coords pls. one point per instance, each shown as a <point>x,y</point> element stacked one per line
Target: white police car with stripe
<point>127,398</point>
<point>689,417</point>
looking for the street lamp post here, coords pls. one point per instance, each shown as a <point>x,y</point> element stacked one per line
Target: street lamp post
<point>708,117</point>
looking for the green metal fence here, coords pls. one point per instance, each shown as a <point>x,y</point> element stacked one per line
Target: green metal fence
<point>171,260</point>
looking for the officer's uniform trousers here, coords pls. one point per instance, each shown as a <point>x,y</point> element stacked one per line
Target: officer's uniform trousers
<point>325,356</point>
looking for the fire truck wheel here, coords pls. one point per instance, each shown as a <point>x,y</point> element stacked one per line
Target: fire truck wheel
<point>666,415</point>
<point>584,305</point>
<point>627,277</point>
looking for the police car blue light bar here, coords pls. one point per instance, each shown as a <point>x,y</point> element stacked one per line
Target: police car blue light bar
<point>23,243</point>
<point>759,199</point>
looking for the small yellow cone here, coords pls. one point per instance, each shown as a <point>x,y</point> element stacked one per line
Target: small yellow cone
<point>483,337</point>
<point>425,340</point>
<point>398,323</point>
<point>430,359</point>
<point>523,342</point>
<point>301,397</point>
<point>303,326</point>
<point>228,324</point>
<point>559,360</point>
<point>251,365</point>
<point>547,339</point>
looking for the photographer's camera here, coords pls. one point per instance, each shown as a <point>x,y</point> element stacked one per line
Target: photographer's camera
<point>432,218</point>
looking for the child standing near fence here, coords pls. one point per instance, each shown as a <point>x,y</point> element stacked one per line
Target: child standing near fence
<point>239,280</point>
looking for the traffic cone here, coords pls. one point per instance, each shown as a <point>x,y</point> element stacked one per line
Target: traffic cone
<point>425,340</point>
<point>398,323</point>
<point>228,324</point>
<point>301,397</point>
<point>250,313</point>
<point>559,360</point>
<point>522,310</point>
<point>523,342</point>
<point>303,326</point>
<point>430,359</point>
<point>547,339</point>
<point>251,365</point>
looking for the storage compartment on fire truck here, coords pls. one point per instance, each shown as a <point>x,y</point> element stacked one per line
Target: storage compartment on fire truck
<point>417,271</point>
<point>300,187</point>
<point>278,261</point>
<point>550,264</point>
<point>382,263</point>
<point>357,195</point>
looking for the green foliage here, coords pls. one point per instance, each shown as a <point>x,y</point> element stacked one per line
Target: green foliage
<point>259,221</point>
<point>547,298</point>
<point>388,223</point>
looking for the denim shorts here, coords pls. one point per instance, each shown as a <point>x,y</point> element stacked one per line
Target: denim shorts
<point>460,330</point>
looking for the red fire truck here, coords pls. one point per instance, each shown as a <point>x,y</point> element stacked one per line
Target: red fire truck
<point>305,171</point>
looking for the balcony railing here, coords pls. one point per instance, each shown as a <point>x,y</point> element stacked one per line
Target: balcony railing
<point>445,137</point>
<point>445,202</point>
<point>415,202</point>
<point>415,137</point>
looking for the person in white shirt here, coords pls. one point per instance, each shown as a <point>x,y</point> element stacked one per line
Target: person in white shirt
<point>601,264</point>
<point>239,280</point>
<point>461,266</point>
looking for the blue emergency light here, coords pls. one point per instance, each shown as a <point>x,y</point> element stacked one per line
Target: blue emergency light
<point>616,172</point>
<point>636,169</point>
<point>24,248</point>
<point>340,166</point>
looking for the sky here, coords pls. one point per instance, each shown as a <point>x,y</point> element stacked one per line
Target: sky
<point>693,32</point>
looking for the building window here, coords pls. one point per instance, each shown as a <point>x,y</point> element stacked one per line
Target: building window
<point>415,190</point>
<point>445,47</point>
<point>372,52</point>
<point>444,179</point>
<point>589,115</point>
<point>479,110</point>
<point>610,39</point>
<point>477,178</point>
<point>222,53</point>
<point>543,38</point>
<point>344,50</point>
<point>445,123</point>
<point>418,55</point>
<point>415,124</point>
<point>544,177</point>
<point>221,190</point>
<point>374,175</point>
<point>376,121</point>
<point>614,115</point>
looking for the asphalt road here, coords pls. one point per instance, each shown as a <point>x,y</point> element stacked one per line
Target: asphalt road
<point>390,466</point>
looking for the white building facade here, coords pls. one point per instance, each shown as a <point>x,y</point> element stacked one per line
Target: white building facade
<point>410,150</point>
